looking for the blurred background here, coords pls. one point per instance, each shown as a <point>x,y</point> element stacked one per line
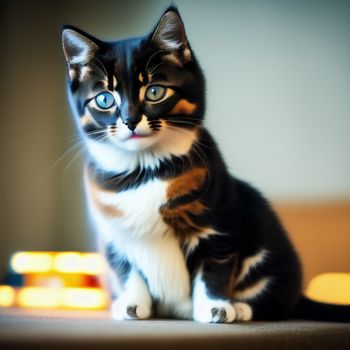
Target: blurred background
<point>278,76</point>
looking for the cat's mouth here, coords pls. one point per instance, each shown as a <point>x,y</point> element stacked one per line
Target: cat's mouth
<point>137,141</point>
<point>138,136</point>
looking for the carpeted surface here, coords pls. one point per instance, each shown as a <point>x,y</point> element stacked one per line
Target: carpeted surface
<point>93,330</point>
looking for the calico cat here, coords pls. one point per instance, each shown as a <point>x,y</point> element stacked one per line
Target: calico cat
<point>182,237</point>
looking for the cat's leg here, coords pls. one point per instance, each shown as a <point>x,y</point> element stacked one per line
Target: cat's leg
<point>212,300</point>
<point>129,291</point>
<point>270,285</point>
<point>133,300</point>
<point>207,307</point>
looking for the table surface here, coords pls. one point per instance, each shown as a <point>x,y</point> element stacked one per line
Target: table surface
<point>43,329</point>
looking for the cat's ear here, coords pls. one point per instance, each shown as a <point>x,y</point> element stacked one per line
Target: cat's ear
<point>78,47</point>
<point>170,35</point>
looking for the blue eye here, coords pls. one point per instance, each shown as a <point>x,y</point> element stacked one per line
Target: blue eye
<point>155,93</point>
<point>105,100</point>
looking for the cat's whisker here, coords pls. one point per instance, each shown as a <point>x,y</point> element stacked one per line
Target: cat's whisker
<point>102,66</point>
<point>97,70</point>
<point>64,155</point>
<point>186,116</point>
<point>201,154</point>
<point>70,163</point>
<point>154,68</point>
<point>178,121</point>
<point>151,57</point>
<point>96,132</point>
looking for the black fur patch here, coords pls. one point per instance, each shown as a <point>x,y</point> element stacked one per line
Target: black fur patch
<point>120,265</point>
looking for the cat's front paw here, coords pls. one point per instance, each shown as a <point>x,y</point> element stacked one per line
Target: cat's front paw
<point>121,311</point>
<point>216,311</point>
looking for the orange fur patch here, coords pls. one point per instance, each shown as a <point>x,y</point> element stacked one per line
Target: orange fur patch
<point>186,183</point>
<point>183,107</point>
<point>179,217</point>
<point>86,119</point>
<point>142,93</point>
<point>108,210</point>
<point>180,220</point>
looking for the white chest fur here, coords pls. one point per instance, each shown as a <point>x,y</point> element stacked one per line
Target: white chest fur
<point>141,235</point>
<point>138,208</point>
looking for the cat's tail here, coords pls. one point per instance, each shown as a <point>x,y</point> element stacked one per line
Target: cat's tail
<point>308,309</point>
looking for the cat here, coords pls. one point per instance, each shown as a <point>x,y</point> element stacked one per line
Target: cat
<point>181,236</point>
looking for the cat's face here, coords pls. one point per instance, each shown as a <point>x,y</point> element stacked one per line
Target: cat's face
<point>138,95</point>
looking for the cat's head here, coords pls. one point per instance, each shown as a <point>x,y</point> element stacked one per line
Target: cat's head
<point>137,95</point>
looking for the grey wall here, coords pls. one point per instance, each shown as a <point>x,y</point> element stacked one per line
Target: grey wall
<point>278,103</point>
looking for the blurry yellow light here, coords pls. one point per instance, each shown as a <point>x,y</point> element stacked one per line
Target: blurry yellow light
<point>38,297</point>
<point>30,262</point>
<point>7,296</point>
<point>74,262</point>
<point>69,262</point>
<point>84,298</point>
<point>330,288</point>
<point>92,264</point>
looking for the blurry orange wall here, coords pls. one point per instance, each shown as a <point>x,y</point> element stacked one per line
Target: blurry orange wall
<point>321,234</point>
